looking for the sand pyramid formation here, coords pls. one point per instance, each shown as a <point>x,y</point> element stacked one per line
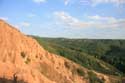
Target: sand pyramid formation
<point>22,57</point>
<point>23,60</point>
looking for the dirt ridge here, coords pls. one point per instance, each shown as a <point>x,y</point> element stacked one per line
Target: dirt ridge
<point>22,57</point>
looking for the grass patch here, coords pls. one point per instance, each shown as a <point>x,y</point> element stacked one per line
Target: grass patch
<point>93,78</point>
<point>80,72</point>
<point>67,64</point>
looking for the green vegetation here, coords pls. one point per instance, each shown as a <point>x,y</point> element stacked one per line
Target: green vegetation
<point>67,65</point>
<point>94,79</point>
<point>105,56</point>
<point>14,80</point>
<point>80,72</point>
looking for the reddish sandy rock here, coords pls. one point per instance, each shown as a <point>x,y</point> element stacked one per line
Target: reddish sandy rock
<point>23,60</point>
<point>22,57</point>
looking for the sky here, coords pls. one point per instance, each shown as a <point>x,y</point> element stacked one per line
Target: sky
<point>93,19</point>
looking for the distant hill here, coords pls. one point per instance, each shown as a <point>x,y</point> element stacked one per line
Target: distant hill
<point>106,56</point>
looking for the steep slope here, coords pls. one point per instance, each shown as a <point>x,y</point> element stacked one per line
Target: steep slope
<point>23,60</point>
<point>76,47</point>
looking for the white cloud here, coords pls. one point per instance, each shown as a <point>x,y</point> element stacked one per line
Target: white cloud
<point>95,21</point>
<point>117,2</point>
<point>68,20</point>
<point>24,24</point>
<point>4,18</point>
<point>66,2</point>
<point>39,1</point>
<point>94,2</point>
<point>102,18</point>
<point>66,17</point>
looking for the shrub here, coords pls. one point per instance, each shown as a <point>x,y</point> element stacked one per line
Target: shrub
<point>67,65</point>
<point>23,54</point>
<point>80,72</point>
<point>27,60</point>
<point>93,78</point>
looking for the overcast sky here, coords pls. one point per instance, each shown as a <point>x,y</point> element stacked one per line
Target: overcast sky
<point>100,19</point>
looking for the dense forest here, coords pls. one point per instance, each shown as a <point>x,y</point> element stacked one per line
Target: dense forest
<point>106,56</point>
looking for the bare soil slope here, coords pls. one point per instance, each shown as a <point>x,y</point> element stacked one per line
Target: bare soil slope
<point>22,59</point>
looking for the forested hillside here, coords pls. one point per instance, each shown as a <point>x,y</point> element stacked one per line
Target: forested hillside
<point>106,56</point>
